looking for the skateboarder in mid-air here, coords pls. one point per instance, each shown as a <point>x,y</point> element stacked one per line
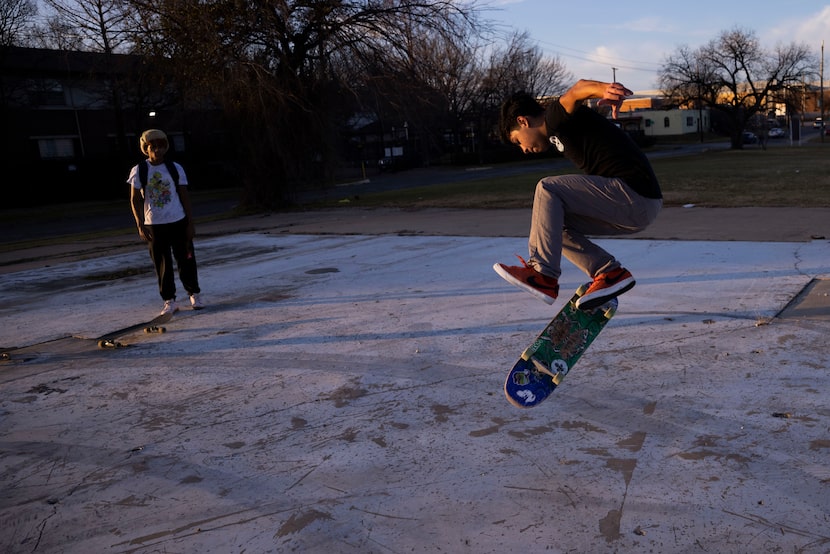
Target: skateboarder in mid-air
<point>618,193</point>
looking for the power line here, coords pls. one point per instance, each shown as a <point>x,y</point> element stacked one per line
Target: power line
<point>649,67</point>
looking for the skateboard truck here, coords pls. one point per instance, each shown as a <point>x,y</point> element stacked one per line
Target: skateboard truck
<point>556,374</point>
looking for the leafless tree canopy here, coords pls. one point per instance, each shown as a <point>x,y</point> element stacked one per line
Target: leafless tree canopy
<point>15,16</point>
<point>289,74</point>
<point>735,75</point>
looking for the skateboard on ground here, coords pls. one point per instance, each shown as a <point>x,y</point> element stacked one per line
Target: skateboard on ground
<point>547,361</point>
<point>155,325</point>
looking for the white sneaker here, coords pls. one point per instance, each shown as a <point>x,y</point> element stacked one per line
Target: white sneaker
<point>170,307</point>
<point>196,302</point>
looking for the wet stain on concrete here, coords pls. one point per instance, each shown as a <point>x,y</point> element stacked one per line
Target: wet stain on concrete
<point>703,454</point>
<point>275,297</point>
<point>585,426</point>
<point>26,400</point>
<point>624,466</point>
<point>298,522</point>
<point>609,526</point>
<point>706,440</point>
<point>131,501</point>
<point>601,452</point>
<point>486,431</point>
<point>344,395</point>
<point>44,389</point>
<point>442,412</point>
<point>532,432</point>
<point>633,443</point>
<point>115,275</point>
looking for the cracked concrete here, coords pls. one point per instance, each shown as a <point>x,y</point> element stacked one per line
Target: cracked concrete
<point>343,393</point>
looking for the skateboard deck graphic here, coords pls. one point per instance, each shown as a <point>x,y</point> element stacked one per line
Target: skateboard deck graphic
<point>543,365</point>
<point>155,325</point>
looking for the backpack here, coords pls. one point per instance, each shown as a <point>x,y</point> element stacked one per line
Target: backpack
<point>171,168</point>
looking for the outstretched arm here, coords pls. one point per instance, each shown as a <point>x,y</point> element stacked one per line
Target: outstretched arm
<point>611,94</point>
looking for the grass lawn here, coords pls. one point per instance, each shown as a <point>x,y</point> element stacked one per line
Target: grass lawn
<point>780,176</point>
<point>789,176</point>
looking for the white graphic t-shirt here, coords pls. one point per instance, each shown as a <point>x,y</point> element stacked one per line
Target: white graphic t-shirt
<point>161,200</point>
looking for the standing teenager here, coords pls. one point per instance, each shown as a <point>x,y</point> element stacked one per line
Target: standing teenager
<point>161,207</point>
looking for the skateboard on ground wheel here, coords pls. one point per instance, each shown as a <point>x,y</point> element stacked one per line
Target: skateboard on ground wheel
<point>155,325</point>
<point>547,361</point>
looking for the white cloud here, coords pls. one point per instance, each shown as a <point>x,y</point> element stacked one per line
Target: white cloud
<point>645,25</point>
<point>810,30</point>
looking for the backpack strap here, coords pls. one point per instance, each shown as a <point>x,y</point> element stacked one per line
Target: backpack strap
<point>174,173</point>
<point>142,173</point>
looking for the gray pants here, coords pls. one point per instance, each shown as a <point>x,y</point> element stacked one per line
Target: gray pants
<point>567,208</point>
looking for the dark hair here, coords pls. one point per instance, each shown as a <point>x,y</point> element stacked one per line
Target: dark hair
<point>519,103</point>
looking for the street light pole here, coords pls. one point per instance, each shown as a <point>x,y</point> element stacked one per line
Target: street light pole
<point>821,93</point>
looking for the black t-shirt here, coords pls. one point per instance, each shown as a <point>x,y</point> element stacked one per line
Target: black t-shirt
<point>598,147</point>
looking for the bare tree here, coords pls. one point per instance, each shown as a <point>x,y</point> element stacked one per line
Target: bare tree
<point>274,65</point>
<point>521,66</point>
<point>97,26</point>
<point>91,25</point>
<point>735,76</point>
<point>15,16</point>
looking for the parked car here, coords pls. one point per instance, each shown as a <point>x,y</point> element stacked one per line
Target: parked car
<point>749,137</point>
<point>387,164</point>
<point>818,123</point>
<point>777,132</point>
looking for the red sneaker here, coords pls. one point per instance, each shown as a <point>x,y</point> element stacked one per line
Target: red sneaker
<point>605,287</point>
<point>528,279</point>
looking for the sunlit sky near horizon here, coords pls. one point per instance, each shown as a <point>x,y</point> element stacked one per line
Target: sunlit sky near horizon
<point>595,36</point>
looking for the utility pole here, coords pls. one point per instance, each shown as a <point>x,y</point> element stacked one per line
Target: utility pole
<point>821,93</point>
<point>614,71</point>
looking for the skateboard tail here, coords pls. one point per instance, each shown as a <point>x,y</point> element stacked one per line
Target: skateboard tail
<point>526,387</point>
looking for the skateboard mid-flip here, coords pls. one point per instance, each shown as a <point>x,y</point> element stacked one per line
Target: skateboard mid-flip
<point>155,325</point>
<point>544,364</point>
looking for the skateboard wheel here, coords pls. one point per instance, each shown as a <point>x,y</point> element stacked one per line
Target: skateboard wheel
<point>102,343</point>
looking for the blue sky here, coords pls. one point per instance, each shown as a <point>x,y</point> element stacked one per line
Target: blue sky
<point>592,37</point>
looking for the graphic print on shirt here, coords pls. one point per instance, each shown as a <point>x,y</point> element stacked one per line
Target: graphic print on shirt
<point>158,190</point>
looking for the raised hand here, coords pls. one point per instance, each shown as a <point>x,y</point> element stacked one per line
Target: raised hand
<point>614,95</point>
